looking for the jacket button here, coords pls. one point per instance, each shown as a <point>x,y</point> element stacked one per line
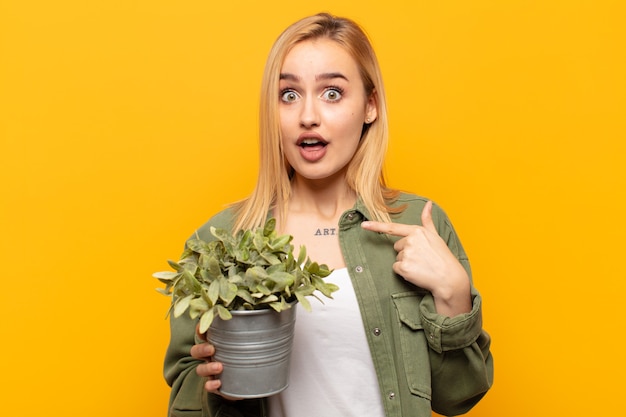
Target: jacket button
<point>359,269</point>
<point>392,395</point>
<point>351,215</point>
<point>377,331</point>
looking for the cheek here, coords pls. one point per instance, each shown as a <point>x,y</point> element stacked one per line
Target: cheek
<point>287,129</point>
<point>349,124</point>
<point>343,116</point>
<point>283,118</point>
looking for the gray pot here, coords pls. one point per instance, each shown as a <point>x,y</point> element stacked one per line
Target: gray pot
<point>255,348</point>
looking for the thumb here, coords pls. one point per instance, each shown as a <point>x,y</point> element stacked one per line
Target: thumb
<point>427,217</point>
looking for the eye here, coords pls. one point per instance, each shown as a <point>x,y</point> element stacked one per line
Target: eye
<point>332,94</point>
<point>288,96</point>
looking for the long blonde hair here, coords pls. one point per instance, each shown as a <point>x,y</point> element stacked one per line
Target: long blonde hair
<point>365,171</point>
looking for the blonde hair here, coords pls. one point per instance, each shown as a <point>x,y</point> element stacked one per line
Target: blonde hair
<point>365,171</point>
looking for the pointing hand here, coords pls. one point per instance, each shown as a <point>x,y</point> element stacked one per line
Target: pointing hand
<point>425,260</point>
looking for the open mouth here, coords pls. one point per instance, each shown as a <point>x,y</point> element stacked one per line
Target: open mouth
<point>311,143</point>
<point>312,147</point>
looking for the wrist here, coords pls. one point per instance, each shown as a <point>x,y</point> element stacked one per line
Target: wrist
<point>453,299</point>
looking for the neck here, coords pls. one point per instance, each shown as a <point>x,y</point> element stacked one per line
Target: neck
<point>323,199</point>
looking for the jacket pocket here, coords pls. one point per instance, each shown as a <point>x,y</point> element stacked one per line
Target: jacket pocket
<point>413,344</point>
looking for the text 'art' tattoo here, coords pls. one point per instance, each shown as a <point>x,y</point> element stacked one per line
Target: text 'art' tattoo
<point>326,232</point>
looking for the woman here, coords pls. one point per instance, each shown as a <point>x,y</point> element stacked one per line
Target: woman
<point>404,333</point>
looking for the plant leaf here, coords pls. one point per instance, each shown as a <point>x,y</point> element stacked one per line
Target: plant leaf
<point>324,271</point>
<point>220,234</point>
<point>227,291</point>
<point>302,255</point>
<point>258,242</point>
<point>190,264</point>
<point>305,290</point>
<point>280,242</point>
<point>197,306</point>
<point>181,304</point>
<point>251,269</point>
<point>280,305</point>
<point>303,301</point>
<point>223,312</point>
<point>192,282</point>
<point>214,291</point>
<point>282,280</point>
<point>324,287</point>
<point>313,268</point>
<point>164,291</point>
<point>270,226</point>
<point>206,320</point>
<point>245,295</point>
<point>255,274</point>
<point>165,276</point>
<point>270,258</point>
<point>268,299</point>
<point>263,289</point>
<point>175,266</point>
<point>197,246</point>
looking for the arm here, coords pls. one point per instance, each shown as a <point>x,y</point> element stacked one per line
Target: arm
<point>180,366</point>
<point>460,360</point>
<point>190,372</point>
<point>188,368</point>
<point>431,256</point>
<point>180,369</point>
<point>459,349</point>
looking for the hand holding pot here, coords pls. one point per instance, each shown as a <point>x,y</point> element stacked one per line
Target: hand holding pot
<point>209,369</point>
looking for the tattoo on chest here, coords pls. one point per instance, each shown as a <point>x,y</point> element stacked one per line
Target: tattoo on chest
<point>326,232</point>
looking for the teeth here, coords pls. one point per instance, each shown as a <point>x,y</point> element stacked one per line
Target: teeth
<point>310,141</point>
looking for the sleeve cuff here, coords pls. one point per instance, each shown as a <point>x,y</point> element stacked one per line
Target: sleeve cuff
<point>450,333</point>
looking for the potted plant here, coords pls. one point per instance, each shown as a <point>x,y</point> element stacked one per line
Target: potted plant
<point>243,287</point>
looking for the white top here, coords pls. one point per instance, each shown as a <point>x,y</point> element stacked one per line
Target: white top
<point>331,371</point>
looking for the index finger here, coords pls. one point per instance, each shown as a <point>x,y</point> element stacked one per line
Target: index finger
<point>394,229</point>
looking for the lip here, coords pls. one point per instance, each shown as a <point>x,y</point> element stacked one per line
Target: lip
<point>313,152</point>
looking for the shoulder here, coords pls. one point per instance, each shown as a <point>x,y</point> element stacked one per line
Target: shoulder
<point>413,205</point>
<point>412,214</point>
<point>224,219</point>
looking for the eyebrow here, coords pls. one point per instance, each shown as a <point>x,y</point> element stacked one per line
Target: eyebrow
<point>324,76</point>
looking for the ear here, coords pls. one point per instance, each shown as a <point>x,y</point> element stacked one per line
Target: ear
<point>371,108</point>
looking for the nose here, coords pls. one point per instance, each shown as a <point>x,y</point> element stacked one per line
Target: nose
<point>309,114</point>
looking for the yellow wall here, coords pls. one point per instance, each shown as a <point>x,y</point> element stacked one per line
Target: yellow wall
<point>125,124</point>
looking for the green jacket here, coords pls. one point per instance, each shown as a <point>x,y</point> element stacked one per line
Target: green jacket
<point>423,360</point>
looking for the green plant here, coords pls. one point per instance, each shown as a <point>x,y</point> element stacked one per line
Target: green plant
<point>250,270</point>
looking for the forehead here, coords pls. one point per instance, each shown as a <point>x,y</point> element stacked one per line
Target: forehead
<point>317,56</point>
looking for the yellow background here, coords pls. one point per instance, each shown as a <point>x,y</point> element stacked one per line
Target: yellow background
<point>125,124</point>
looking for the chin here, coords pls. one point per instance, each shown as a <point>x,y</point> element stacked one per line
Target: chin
<point>318,175</point>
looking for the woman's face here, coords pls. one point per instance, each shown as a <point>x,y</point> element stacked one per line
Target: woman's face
<point>323,106</point>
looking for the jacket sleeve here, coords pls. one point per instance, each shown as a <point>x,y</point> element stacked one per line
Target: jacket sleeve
<point>460,360</point>
<point>180,370</point>
<point>460,357</point>
<point>188,397</point>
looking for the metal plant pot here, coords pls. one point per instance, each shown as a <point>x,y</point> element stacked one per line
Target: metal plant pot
<point>255,348</point>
